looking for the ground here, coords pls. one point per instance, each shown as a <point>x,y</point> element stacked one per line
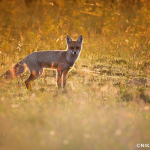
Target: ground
<point>105,104</point>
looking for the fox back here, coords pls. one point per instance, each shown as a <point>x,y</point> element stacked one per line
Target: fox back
<point>63,61</point>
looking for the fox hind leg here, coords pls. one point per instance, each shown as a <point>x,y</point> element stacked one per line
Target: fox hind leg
<point>34,75</point>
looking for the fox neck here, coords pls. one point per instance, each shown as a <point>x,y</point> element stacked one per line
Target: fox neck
<point>71,58</point>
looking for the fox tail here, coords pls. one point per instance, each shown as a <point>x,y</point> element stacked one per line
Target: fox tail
<point>15,71</point>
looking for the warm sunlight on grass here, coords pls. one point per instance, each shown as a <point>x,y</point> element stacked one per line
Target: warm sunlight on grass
<point>105,105</point>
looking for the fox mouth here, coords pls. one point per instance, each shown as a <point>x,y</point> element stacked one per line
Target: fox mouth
<point>75,52</point>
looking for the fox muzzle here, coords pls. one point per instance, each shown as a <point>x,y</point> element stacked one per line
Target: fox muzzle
<point>75,52</point>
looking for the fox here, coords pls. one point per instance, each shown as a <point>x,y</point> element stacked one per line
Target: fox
<point>60,60</point>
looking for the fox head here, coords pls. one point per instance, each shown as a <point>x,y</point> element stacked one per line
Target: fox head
<point>74,47</point>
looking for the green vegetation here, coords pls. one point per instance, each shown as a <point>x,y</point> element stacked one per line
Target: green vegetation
<point>105,104</point>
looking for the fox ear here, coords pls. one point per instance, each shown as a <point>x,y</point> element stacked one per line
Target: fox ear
<point>68,39</point>
<point>80,39</point>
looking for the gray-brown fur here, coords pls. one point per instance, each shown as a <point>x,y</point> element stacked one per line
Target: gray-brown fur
<point>63,61</point>
<point>15,71</point>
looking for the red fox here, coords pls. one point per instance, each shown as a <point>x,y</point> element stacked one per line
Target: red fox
<point>61,60</point>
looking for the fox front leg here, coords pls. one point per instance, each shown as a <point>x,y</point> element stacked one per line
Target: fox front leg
<point>59,78</point>
<point>62,74</point>
<point>65,76</point>
<point>60,69</point>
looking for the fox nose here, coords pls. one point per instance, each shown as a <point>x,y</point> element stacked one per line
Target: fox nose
<point>75,52</point>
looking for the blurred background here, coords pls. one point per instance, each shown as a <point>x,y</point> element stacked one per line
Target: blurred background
<point>106,101</point>
<point>109,26</point>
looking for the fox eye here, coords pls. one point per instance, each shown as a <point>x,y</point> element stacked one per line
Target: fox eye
<point>71,48</point>
<point>77,47</point>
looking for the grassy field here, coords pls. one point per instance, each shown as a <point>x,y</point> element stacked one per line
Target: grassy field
<point>106,102</point>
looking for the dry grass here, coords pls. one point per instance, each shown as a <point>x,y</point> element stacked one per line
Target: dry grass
<point>105,104</point>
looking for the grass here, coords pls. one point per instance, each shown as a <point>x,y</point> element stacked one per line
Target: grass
<point>105,104</point>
